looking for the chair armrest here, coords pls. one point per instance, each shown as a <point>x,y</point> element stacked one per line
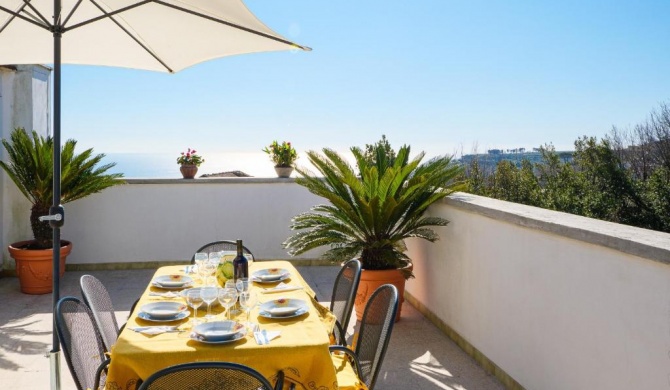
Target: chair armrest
<point>353,358</point>
<point>340,334</point>
<point>98,372</point>
<point>279,385</point>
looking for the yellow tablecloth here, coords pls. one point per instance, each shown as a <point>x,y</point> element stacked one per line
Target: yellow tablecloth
<point>301,351</point>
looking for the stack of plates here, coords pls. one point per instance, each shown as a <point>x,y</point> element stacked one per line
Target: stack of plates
<point>163,311</point>
<point>172,282</point>
<point>271,275</point>
<point>283,308</point>
<point>219,332</point>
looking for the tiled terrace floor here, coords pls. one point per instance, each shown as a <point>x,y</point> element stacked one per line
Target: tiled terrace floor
<point>419,355</point>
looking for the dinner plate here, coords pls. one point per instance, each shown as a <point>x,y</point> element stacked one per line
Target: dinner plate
<point>218,330</point>
<point>283,308</point>
<point>238,336</point>
<point>155,284</point>
<point>270,275</point>
<point>163,310</point>
<point>146,317</point>
<point>173,281</point>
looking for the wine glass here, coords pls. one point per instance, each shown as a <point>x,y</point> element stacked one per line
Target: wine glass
<point>209,295</point>
<point>227,298</point>
<point>194,299</point>
<point>231,284</point>
<point>209,270</point>
<point>242,284</point>
<point>200,259</point>
<point>247,301</point>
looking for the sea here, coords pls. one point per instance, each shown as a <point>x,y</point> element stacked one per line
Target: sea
<point>164,165</point>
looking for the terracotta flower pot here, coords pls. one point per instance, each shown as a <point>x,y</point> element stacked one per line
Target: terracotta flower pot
<point>188,171</point>
<point>34,267</point>
<point>371,280</point>
<point>284,171</point>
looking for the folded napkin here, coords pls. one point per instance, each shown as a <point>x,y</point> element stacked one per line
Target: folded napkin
<point>263,337</point>
<point>282,287</point>
<point>168,294</point>
<point>154,330</point>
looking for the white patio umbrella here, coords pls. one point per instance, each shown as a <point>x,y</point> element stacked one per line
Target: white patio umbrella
<point>158,35</point>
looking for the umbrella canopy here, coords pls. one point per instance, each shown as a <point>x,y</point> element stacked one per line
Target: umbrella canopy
<point>161,35</point>
<point>158,35</point>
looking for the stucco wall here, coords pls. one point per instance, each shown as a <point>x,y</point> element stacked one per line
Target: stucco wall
<point>166,220</point>
<point>556,301</point>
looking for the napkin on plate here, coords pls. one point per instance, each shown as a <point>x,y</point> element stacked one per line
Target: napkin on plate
<point>281,287</point>
<point>154,330</point>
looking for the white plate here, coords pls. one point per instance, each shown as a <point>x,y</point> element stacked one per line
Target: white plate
<point>163,310</point>
<point>236,337</point>
<point>146,317</point>
<point>270,275</point>
<point>187,285</point>
<point>218,330</point>
<point>283,308</point>
<point>173,281</point>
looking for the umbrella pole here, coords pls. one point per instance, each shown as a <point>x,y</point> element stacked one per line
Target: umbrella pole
<point>56,210</point>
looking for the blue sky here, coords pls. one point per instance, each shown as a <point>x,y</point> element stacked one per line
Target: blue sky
<point>440,75</point>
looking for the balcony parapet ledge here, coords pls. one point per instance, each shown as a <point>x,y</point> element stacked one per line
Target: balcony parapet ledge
<point>648,244</point>
<point>212,180</point>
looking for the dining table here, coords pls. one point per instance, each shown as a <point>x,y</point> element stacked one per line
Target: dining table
<point>300,351</point>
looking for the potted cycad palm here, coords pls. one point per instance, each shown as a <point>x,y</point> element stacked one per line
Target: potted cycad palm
<point>371,213</point>
<point>30,166</point>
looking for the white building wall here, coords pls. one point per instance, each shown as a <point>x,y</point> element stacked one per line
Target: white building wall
<point>24,102</point>
<point>536,293</point>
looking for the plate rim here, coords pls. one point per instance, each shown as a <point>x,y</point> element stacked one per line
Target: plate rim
<point>180,316</point>
<point>232,334</point>
<point>226,341</point>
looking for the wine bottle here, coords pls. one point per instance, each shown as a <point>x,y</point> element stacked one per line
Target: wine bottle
<point>240,263</point>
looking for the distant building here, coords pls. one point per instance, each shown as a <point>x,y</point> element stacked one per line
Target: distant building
<point>488,161</point>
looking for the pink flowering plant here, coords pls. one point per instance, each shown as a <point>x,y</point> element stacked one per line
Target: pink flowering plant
<point>190,158</point>
<point>283,155</point>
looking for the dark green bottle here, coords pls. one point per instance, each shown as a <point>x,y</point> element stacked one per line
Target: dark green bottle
<point>240,263</point>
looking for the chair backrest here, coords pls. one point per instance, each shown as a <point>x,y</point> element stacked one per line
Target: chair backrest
<point>344,294</point>
<point>207,375</point>
<point>98,300</point>
<point>80,341</point>
<point>218,246</point>
<point>375,331</point>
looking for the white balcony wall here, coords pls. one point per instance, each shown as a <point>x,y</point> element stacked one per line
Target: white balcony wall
<point>167,220</point>
<point>557,301</point>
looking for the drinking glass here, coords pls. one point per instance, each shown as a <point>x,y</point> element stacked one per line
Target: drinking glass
<point>247,301</point>
<point>194,299</point>
<point>209,295</point>
<point>227,298</point>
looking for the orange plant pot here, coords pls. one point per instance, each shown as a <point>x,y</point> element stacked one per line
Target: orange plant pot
<point>371,280</point>
<point>188,171</point>
<point>34,267</point>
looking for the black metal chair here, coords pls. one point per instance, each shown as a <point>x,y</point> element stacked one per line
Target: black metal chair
<point>98,300</point>
<point>81,343</point>
<point>224,245</point>
<point>374,334</point>
<point>210,375</point>
<point>344,294</point>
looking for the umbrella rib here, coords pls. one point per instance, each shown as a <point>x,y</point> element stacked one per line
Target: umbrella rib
<point>37,13</point>
<point>213,19</point>
<point>15,14</point>
<point>106,14</point>
<point>72,12</point>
